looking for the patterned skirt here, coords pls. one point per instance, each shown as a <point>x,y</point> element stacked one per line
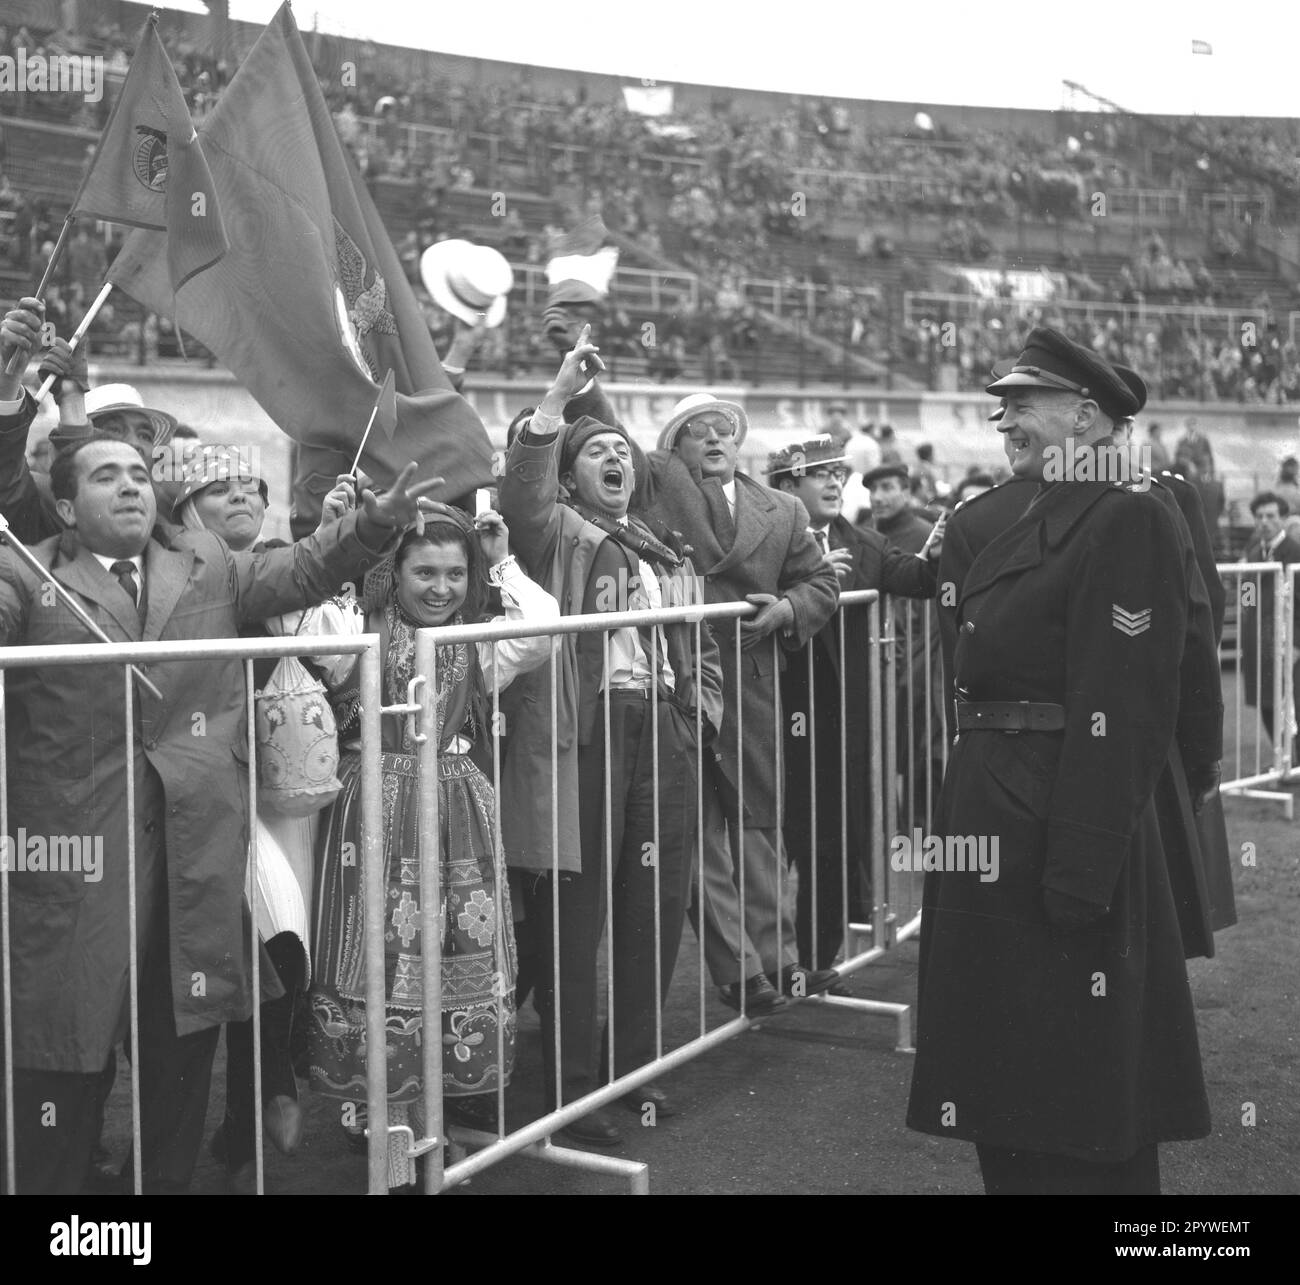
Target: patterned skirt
<point>478,948</point>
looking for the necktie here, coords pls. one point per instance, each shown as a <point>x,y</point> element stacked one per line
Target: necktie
<point>820,537</point>
<point>125,573</point>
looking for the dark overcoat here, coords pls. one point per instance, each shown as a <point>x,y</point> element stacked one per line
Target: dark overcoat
<point>766,549</point>
<point>1196,848</point>
<point>67,757</point>
<point>1079,1043</point>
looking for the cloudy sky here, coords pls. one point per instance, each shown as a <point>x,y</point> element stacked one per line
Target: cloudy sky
<point>1136,52</point>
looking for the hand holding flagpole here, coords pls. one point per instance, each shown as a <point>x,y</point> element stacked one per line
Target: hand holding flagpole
<point>78,335</point>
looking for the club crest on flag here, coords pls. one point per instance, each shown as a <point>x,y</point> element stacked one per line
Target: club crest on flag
<point>348,332</point>
<point>150,158</point>
<point>367,305</point>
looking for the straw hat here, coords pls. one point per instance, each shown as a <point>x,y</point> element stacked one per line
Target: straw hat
<point>467,280</point>
<point>698,404</point>
<point>106,398</point>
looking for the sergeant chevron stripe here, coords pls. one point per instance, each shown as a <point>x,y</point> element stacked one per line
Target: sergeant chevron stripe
<point>1131,623</point>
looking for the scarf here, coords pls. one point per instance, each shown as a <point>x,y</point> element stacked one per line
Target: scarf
<point>635,536</point>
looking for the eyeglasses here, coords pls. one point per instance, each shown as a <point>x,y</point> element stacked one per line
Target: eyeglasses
<point>827,473</point>
<point>698,429</point>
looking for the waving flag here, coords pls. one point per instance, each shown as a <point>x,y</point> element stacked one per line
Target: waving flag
<point>149,170</point>
<point>310,308</point>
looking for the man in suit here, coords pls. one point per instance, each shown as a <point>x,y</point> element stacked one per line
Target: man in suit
<point>1270,543</point>
<point>594,555</point>
<point>751,544</point>
<point>834,703</point>
<point>69,757</point>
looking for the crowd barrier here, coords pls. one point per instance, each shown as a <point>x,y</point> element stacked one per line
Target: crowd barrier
<point>1260,637</point>
<point>903,720</point>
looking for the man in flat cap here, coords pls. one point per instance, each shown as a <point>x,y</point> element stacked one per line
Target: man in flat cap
<point>814,472</point>
<point>1056,1028</point>
<point>594,555</point>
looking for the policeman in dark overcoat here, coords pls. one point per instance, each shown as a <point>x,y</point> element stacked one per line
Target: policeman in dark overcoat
<point>1056,1028</point>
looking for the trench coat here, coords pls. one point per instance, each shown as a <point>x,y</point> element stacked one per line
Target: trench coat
<point>67,758</point>
<point>767,549</point>
<point>557,546</point>
<point>1080,1043</point>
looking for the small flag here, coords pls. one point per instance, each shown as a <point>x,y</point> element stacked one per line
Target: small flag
<point>579,268</point>
<point>1202,47</point>
<point>149,170</point>
<point>386,406</point>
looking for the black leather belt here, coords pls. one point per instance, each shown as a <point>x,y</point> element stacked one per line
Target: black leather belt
<point>1010,716</point>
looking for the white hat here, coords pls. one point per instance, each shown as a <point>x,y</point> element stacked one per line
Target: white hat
<point>697,404</point>
<point>122,397</point>
<point>467,280</point>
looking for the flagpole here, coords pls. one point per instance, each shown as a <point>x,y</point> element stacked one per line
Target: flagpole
<point>374,410</point>
<point>27,556</point>
<point>79,334</point>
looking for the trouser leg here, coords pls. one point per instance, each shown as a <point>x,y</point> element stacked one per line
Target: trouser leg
<point>175,1078</point>
<point>285,952</point>
<point>769,908</point>
<point>637,927</point>
<point>57,1120</point>
<point>728,952</point>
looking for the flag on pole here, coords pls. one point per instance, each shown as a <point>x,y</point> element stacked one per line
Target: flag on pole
<point>1202,47</point>
<point>310,306</point>
<point>580,266</point>
<point>149,170</point>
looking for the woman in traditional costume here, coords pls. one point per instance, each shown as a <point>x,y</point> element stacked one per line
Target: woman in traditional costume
<point>436,577</point>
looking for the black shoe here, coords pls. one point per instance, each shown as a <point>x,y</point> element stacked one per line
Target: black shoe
<point>761,997</point>
<point>652,1095</point>
<point>595,1128</point>
<point>799,982</point>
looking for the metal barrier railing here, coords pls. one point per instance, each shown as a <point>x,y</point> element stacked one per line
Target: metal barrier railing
<point>125,654</point>
<point>1260,635</point>
<point>893,905</point>
<point>533,1138</point>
